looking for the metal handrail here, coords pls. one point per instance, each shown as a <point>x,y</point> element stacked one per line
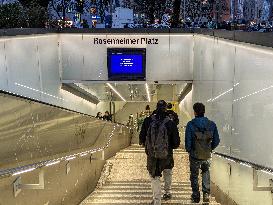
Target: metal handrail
<point>246,163</point>
<point>255,168</point>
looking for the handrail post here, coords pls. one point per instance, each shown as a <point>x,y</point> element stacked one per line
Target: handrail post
<point>18,186</point>
<point>256,186</point>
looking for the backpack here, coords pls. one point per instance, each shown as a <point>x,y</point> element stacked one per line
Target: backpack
<point>202,142</point>
<point>157,141</point>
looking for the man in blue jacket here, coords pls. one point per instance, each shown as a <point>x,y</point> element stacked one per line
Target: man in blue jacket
<point>200,124</point>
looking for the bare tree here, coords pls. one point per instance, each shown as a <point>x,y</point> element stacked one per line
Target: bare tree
<point>176,13</point>
<point>151,8</point>
<point>208,8</point>
<point>27,3</point>
<point>61,7</point>
<point>127,3</point>
<point>219,7</point>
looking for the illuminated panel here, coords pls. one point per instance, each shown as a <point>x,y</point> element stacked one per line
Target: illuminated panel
<point>126,64</point>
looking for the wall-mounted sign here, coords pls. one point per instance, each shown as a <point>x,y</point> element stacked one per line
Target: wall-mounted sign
<point>126,41</point>
<point>126,63</point>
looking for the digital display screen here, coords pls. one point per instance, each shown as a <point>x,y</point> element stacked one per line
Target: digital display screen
<point>126,63</point>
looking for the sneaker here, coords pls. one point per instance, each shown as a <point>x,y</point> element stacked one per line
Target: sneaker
<point>167,197</point>
<point>206,197</point>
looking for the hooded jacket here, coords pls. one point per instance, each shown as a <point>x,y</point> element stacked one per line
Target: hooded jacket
<point>174,117</point>
<point>201,123</point>
<point>156,166</point>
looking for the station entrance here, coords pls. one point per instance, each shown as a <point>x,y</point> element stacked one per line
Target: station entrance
<point>53,84</point>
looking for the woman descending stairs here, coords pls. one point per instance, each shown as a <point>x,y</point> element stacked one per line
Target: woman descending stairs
<point>125,180</point>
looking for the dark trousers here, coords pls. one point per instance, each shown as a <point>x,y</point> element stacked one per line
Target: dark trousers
<point>195,165</point>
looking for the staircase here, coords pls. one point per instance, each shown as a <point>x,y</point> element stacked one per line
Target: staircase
<point>125,181</point>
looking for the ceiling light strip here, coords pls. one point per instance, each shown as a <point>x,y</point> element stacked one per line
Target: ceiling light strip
<point>112,88</point>
<point>148,92</point>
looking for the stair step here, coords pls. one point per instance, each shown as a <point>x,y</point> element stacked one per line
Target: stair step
<point>139,195</point>
<point>129,182</point>
<point>144,202</point>
<point>145,183</point>
<point>134,196</point>
<point>143,150</point>
<point>142,188</point>
<point>136,192</point>
<point>147,203</point>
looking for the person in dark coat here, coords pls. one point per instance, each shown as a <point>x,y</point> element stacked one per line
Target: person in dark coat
<point>173,115</point>
<point>99,116</point>
<point>107,116</point>
<point>155,166</point>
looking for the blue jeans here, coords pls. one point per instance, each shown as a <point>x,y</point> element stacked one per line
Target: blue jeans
<point>195,165</point>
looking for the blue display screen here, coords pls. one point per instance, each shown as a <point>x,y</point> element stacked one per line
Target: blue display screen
<point>127,64</point>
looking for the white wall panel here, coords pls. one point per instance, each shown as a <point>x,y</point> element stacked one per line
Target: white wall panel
<point>49,64</point>
<point>253,105</point>
<point>94,65</point>
<point>31,69</point>
<point>202,92</point>
<point>185,110</point>
<point>76,54</point>
<point>185,114</point>
<point>235,82</point>
<point>224,61</point>
<point>203,58</point>
<point>3,71</point>
<point>221,112</point>
<point>159,60</point>
<point>253,63</point>
<point>23,66</point>
<point>182,56</point>
<point>171,59</point>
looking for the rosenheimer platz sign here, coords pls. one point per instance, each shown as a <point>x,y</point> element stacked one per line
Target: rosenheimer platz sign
<point>125,41</point>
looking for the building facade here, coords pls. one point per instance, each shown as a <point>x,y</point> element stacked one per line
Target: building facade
<point>226,11</point>
<point>2,2</point>
<point>251,10</point>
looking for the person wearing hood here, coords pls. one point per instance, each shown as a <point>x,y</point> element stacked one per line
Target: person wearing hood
<point>198,128</point>
<point>173,115</point>
<point>156,166</point>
